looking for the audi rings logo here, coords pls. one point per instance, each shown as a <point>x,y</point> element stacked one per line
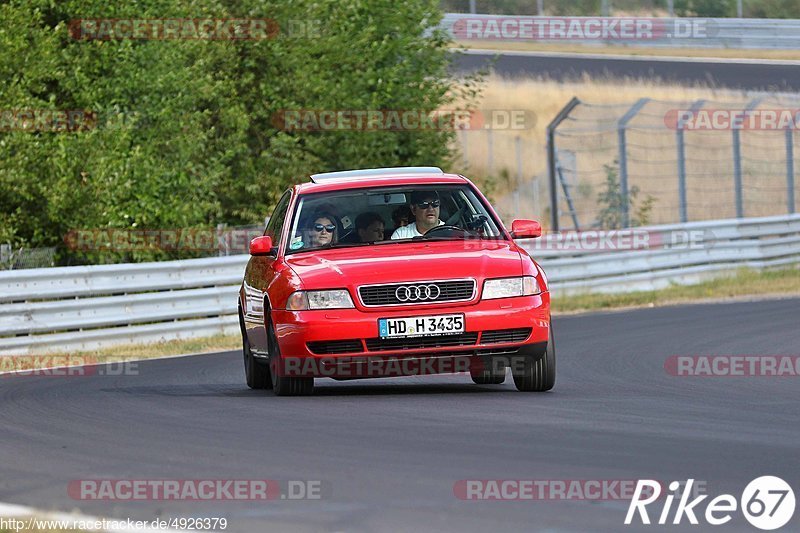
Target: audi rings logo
<point>417,293</point>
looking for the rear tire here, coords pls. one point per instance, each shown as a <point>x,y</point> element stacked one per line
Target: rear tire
<point>487,373</point>
<point>256,373</point>
<point>538,375</point>
<point>283,385</point>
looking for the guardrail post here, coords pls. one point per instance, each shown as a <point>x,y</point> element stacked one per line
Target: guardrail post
<point>551,158</point>
<point>737,160</point>
<point>790,171</point>
<point>679,141</point>
<point>623,158</point>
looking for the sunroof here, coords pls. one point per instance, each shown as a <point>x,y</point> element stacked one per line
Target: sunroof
<point>372,172</point>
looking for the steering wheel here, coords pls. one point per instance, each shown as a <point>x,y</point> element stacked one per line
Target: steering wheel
<point>445,229</point>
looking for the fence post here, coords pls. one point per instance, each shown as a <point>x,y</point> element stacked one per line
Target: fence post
<point>737,160</point>
<point>490,149</point>
<point>518,150</point>
<point>679,133</point>
<point>790,170</point>
<point>5,255</point>
<point>623,158</point>
<point>551,158</point>
<point>464,139</point>
<point>223,248</point>
<point>737,173</point>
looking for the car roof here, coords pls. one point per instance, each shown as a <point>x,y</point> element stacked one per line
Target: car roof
<point>388,179</point>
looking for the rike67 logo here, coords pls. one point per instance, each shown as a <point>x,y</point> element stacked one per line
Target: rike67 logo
<point>767,503</point>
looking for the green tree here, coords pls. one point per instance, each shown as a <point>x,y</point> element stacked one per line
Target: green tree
<point>185,136</point>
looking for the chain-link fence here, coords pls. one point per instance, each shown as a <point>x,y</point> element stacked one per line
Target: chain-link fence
<point>652,162</point>
<point>19,258</point>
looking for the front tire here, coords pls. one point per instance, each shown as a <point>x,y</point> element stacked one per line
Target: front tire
<point>537,375</point>
<point>283,385</point>
<point>487,372</point>
<point>256,373</point>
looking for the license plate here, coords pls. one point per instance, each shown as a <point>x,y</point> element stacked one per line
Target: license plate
<point>421,326</point>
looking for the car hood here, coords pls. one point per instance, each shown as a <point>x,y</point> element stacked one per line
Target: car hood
<point>402,262</point>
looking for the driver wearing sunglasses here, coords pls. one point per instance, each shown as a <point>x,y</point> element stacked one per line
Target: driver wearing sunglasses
<point>425,209</point>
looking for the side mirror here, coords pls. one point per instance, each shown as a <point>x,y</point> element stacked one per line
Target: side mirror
<point>261,246</point>
<point>526,229</point>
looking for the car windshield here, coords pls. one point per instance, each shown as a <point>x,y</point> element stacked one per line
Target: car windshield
<point>389,215</point>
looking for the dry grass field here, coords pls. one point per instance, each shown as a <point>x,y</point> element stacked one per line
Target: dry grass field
<point>588,140</point>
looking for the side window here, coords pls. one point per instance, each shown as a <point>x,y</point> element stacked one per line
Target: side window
<point>276,221</point>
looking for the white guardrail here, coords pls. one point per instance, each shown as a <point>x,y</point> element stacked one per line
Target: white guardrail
<point>667,32</point>
<point>74,308</point>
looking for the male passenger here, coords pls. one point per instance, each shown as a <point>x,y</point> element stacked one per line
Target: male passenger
<point>425,208</point>
<point>370,227</point>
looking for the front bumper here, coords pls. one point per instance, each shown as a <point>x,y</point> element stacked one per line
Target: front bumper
<point>345,343</point>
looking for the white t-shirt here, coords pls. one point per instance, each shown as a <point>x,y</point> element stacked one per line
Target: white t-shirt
<point>409,231</point>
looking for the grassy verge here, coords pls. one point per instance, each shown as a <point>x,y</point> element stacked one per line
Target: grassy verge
<point>743,283</point>
<point>719,53</point>
<point>160,349</point>
<point>120,353</point>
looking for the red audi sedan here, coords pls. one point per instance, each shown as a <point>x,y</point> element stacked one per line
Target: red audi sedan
<point>393,272</point>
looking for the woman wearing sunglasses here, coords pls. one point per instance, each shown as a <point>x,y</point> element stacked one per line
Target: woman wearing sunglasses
<point>321,230</point>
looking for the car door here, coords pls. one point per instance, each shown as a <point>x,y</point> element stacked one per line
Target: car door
<point>259,275</point>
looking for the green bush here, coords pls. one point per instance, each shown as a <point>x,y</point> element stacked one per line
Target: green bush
<point>611,201</point>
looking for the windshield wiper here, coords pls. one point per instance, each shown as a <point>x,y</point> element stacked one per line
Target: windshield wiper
<point>345,245</point>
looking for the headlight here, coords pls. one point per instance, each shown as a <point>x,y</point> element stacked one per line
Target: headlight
<point>304,300</point>
<point>508,287</point>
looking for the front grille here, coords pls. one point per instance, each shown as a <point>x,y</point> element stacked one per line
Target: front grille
<point>497,336</point>
<point>449,291</point>
<point>332,347</point>
<point>414,343</point>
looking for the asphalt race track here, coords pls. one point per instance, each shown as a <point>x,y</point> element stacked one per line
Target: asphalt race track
<point>749,75</point>
<point>390,451</point>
